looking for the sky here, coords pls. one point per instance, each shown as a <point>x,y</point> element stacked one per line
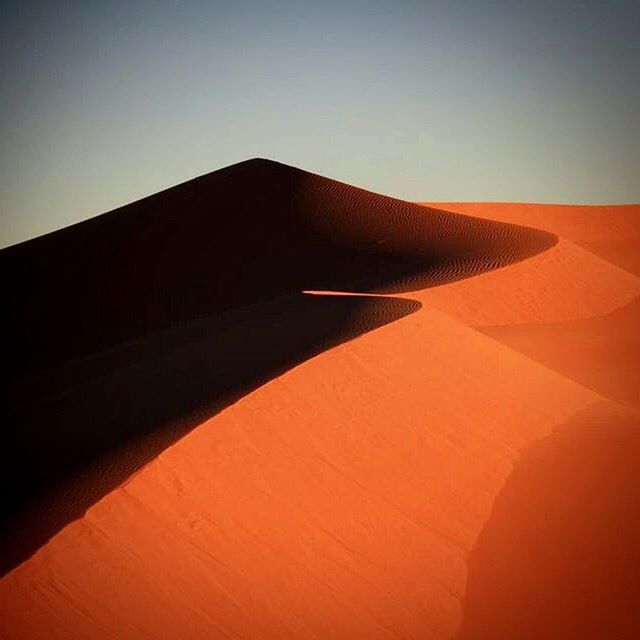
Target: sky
<point>105,102</point>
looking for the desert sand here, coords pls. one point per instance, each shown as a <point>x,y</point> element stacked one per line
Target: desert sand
<point>219,446</point>
<point>610,232</point>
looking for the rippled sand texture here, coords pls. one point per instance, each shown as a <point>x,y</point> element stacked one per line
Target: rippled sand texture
<point>224,448</point>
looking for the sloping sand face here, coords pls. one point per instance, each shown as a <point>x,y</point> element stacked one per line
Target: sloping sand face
<point>566,308</point>
<point>559,556</point>
<point>360,467</point>
<point>601,353</point>
<point>81,430</point>
<point>337,501</point>
<point>562,284</point>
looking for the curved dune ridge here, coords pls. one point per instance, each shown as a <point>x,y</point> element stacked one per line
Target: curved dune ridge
<point>79,431</point>
<point>248,232</point>
<point>562,284</point>
<point>263,463</point>
<point>578,278</point>
<point>611,232</point>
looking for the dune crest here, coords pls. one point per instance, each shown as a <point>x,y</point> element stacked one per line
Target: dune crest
<point>562,284</point>
<point>245,233</point>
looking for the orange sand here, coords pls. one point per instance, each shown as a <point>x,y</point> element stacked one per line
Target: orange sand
<point>425,479</point>
<point>611,232</point>
<point>337,501</point>
<point>563,283</point>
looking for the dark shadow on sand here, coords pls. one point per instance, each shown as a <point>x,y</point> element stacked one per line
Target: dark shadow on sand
<point>249,232</point>
<point>78,431</point>
<point>560,554</point>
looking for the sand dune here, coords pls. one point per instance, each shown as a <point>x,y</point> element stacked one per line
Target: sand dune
<point>255,462</point>
<point>245,233</point>
<point>89,299</point>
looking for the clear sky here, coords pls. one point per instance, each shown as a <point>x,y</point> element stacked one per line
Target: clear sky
<point>106,102</point>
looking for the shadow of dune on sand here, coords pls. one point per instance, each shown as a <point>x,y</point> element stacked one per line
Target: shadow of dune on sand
<point>560,554</point>
<point>80,430</point>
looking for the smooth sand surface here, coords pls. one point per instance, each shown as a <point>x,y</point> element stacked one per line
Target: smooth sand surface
<point>559,555</point>
<point>601,353</point>
<point>582,313</point>
<point>337,501</point>
<point>445,463</point>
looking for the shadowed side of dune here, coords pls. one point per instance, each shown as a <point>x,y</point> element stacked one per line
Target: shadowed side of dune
<point>245,233</point>
<point>560,554</point>
<point>609,231</point>
<point>80,430</point>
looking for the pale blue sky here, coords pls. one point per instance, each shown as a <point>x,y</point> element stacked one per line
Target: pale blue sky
<point>106,102</point>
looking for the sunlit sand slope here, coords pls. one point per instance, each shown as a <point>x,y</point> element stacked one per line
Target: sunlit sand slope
<point>337,501</point>
<point>567,308</point>
<point>567,282</point>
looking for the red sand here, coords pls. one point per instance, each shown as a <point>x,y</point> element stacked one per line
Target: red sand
<point>422,480</point>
